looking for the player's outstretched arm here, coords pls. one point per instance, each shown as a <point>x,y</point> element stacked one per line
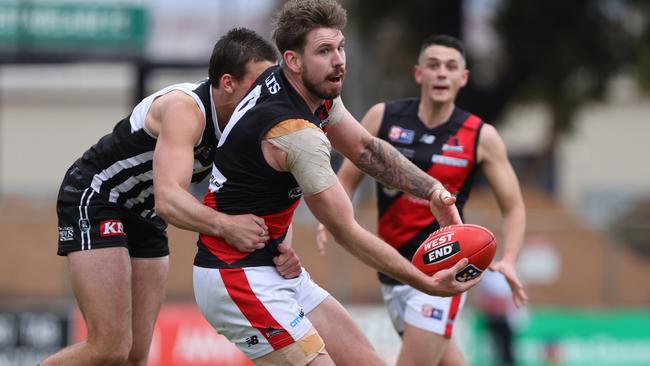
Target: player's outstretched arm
<point>179,124</point>
<point>383,162</point>
<point>501,177</point>
<point>337,216</point>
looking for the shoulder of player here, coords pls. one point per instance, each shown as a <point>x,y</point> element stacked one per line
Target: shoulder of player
<point>374,115</point>
<point>490,143</point>
<point>176,99</point>
<point>175,106</point>
<point>288,126</point>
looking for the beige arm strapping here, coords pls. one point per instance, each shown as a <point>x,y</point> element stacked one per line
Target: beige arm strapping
<point>308,159</point>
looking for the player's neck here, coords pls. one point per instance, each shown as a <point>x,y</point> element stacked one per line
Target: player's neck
<point>434,114</point>
<point>224,107</point>
<point>313,102</point>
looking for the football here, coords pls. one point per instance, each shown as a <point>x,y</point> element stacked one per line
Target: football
<point>446,246</point>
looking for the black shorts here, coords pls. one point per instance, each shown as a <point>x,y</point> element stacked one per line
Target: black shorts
<point>88,220</point>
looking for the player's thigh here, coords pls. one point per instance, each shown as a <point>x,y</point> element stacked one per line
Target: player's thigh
<point>149,281</point>
<point>421,347</point>
<point>429,323</point>
<point>254,307</point>
<point>101,281</point>
<point>344,340</point>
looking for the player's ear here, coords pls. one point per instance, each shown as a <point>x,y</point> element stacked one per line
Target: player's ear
<point>292,60</point>
<point>227,83</point>
<point>417,74</point>
<point>465,78</point>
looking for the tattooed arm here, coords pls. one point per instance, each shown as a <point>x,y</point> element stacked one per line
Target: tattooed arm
<point>383,162</point>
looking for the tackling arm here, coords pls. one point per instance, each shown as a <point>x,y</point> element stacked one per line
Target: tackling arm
<point>180,125</point>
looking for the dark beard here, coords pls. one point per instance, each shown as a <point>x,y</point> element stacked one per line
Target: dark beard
<point>315,90</point>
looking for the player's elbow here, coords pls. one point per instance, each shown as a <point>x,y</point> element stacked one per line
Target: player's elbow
<point>344,232</point>
<point>163,204</point>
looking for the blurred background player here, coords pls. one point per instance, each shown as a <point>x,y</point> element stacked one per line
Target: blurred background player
<point>114,237</point>
<point>449,144</point>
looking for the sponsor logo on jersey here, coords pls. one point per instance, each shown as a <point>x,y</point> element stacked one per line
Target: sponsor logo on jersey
<point>401,135</point>
<point>428,139</point>
<point>84,225</point>
<point>439,254</point>
<point>430,312</point>
<point>453,145</point>
<point>66,233</point>
<point>448,160</point>
<point>270,332</point>
<point>294,323</point>
<point>295,192</point>
<point>111,228</point>
<point>468,273</point>
<point>453,148</point>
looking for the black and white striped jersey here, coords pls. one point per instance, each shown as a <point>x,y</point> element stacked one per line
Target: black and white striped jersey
<point>119,165</point>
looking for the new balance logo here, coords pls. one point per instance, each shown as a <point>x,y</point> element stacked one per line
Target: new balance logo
<point>252,340</point>
<point>111,228</point>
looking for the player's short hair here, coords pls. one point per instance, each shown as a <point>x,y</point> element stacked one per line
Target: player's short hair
<point>443,40</point>
<point>299,17</point>
<point>234,50</point>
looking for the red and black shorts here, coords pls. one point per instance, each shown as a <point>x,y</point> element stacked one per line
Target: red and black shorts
<point>88,221</point>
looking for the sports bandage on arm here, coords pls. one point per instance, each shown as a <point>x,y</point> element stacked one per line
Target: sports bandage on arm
<point>308,154</point>
<point>336,112</point>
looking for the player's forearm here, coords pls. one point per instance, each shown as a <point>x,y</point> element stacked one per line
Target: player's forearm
<point>180,208</point>
<point>379,255</point>
<point>384,163</point>
<point>513,228</point>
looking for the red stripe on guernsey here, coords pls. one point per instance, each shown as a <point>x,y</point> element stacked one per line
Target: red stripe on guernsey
<point>453,312</point>
<point>277,224</point>
<point>210,200</point>
<point>242,294</point>
<point>404,219</point>
<point>452,176</point>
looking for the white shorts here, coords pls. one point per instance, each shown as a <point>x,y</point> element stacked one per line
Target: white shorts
<point>256,308</point>
<point>407,305</point>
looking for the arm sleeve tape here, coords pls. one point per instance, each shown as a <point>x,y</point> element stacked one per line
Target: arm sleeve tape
<point>308,159</point>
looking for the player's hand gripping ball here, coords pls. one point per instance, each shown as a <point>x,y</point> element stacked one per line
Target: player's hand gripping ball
<point>446,246</point>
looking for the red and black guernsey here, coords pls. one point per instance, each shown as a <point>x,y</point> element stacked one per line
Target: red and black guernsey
<point>242,182</point>
<point>446,152</point>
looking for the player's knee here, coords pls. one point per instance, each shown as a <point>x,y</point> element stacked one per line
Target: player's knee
<point>301,352</point>
<point>113,351</point>
<point>138,357</point>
